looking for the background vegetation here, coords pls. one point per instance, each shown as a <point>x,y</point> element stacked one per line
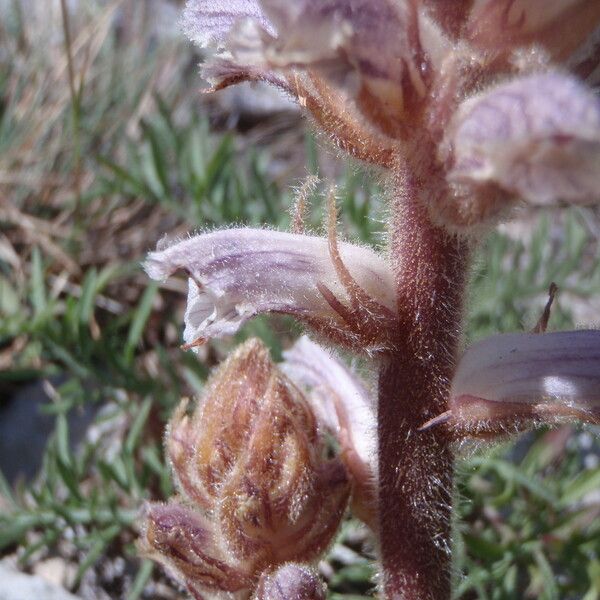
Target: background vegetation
<point>106,146</point>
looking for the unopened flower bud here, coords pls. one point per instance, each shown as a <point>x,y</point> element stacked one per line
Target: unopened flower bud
<point>186,543</point>
<point>290,582</point>
<point>256,488</point>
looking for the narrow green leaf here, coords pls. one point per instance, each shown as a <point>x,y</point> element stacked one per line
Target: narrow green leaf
<point>137,426</point>
<point>62,354</point>
<point>551,591</point>
<point>115,471</point>
<point>140,319</point>
<point>511,474</point>
<point>62,440</point>
<point>158,160</point>
<point>141,579</point>
<point>88,296</point>
<point>9,299</point>
<point>14,527</point>
<point>6,491</point>
<point>96,551</point>
<point>583,484</point>
<point>124,177</point>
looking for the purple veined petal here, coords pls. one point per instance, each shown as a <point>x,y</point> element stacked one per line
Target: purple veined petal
<point>235,274</point>
<point>374,37</point>
<point>537,137</point>
<point>184,541</point>
<point>208,22</point>
<point>338,396</point>
<point>357,26</point>
<point>343,406</point>
<point>507,378</point>
<point>370,50</point>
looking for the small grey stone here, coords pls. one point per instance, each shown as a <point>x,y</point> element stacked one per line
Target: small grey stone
<point>19,586</point>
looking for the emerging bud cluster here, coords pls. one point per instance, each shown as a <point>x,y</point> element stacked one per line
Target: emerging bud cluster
<point>256,488</point>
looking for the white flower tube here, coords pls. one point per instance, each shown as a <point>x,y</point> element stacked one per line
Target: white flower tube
<point>339,397</point>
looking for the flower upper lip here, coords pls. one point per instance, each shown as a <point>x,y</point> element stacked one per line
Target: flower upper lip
<point>508,381</point>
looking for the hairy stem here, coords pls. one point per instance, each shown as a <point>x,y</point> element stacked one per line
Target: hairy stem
<point>416,468</point>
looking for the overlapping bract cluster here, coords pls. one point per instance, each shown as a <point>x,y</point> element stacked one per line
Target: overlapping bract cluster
<point>256,488</point>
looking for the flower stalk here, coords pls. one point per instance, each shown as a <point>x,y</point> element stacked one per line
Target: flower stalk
<point>416,468</point>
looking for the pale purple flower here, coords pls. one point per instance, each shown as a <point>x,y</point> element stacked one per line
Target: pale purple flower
<point>509,382</point>
<point>370,71</point>
<point>537,137</point>
<point>337,36</point>
<point>236,274</point>
<point>346,408</point>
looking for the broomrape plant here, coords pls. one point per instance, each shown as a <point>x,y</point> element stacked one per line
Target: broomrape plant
<point>468,108</point>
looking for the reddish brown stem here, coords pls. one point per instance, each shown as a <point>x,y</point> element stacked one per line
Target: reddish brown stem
<point>416,467</point>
